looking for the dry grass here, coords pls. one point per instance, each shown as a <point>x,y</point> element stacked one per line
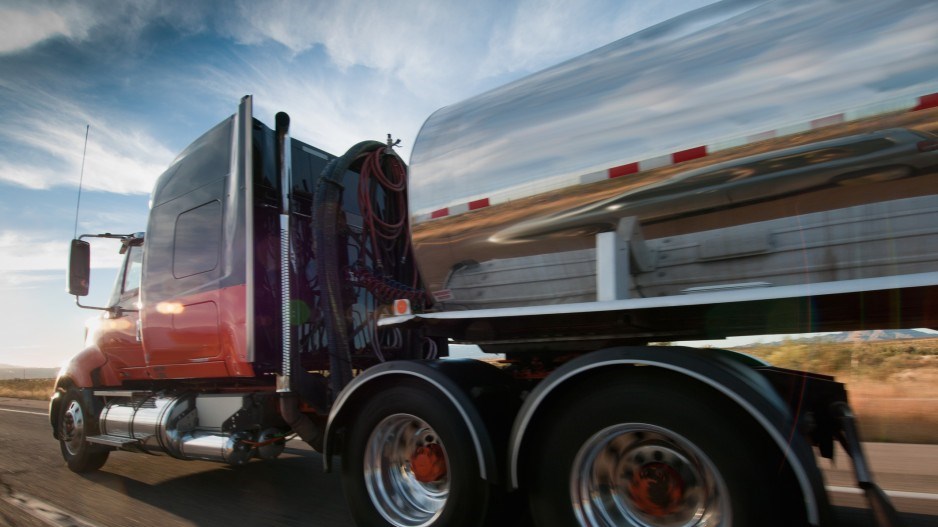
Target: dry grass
<point>39,389</point>
<point>892,385</point>
<point>903,409</point>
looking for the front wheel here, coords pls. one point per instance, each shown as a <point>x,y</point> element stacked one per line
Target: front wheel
<point>646,448</point>
<point>75,425</point>
<point>409,462</point>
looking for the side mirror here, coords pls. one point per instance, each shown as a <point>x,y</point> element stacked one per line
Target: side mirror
<point>79,268</point>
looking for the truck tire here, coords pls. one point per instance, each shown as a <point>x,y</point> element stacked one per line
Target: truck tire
<point>409,462</point>
<point>651,449</point>
<point>76,422</point>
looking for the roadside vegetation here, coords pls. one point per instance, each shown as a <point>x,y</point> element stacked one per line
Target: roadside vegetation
<point>893,385</point>
<point>40,389</point>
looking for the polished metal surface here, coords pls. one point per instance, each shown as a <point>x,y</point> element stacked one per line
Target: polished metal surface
<point>217,408</point>
<point>272,443</point>
<point>155,422</point>
<point>722,132</point>
<point>395,490</point>
<point>116,418</point>
<point>183,426</point>
<point>641,475</point>
<point>216,447</point>
<point>73,428</point>
<point>154,417</point>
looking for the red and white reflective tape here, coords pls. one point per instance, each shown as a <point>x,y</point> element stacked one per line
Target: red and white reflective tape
<point>454,210</point>
<point>911,104</point>
<point>926,101</point>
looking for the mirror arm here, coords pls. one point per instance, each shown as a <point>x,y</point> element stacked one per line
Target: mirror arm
<point>116,310</point>
<point>79,304</point>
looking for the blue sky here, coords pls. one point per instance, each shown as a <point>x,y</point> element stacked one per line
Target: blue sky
<point>149,77</point>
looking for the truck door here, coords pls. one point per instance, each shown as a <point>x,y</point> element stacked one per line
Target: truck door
<point>118,329</point>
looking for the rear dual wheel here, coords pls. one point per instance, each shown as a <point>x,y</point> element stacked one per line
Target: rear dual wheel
<point>649,449</point>
<point>643,474</point>
<point>409,462</point>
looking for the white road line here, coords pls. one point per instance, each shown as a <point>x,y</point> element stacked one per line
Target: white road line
<point>23,411</point>
<point>48,514</point>
<point>890,493</point>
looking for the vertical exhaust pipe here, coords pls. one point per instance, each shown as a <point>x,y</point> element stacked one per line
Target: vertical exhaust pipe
<point>285,172</point>
<point>308,430</point>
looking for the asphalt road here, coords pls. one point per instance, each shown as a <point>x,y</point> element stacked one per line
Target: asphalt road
<point>37,490</point>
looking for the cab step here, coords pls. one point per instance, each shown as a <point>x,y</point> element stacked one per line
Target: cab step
<point>114,441</point>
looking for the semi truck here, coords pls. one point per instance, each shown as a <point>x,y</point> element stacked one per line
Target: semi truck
<point>748,168</point>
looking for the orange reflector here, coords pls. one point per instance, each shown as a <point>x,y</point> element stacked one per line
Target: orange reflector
<point>402,307</point>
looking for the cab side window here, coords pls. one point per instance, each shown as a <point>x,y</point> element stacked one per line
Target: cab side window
<point>197,240</point>
<point>132,274</point>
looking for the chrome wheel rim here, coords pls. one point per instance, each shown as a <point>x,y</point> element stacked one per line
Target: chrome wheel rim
<point>73,428</point>
<point>642,475</point>
<point>404,494</point>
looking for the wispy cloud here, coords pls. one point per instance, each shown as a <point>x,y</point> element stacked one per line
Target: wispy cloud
<point>328,115</point>
<point>422,43</point>
<point>20,252</point>
<point>389,69</point>
<point>440,51</point>
<point>538,33</point>
<point>24,24</point>
<point>14,280</point>
<point>419,43</point>
<point>48,132</point>
<point>25,252</point>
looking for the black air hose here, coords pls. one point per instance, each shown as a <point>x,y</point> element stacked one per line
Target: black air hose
<point>329,245</point>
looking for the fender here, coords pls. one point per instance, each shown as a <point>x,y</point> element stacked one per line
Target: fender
<point>87,369</point>
<point>730,373</point>
<point>485,398</point>
<point>80,372</point>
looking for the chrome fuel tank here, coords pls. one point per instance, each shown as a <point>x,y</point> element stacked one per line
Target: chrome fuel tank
<point>754,143</point>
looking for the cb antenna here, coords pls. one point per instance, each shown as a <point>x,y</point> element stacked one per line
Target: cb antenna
<point>81,178</point>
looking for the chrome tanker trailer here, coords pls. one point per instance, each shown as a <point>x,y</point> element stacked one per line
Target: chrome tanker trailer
<point>748,168</point>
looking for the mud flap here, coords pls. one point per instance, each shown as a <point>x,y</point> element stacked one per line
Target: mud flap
<point>884,513</point>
